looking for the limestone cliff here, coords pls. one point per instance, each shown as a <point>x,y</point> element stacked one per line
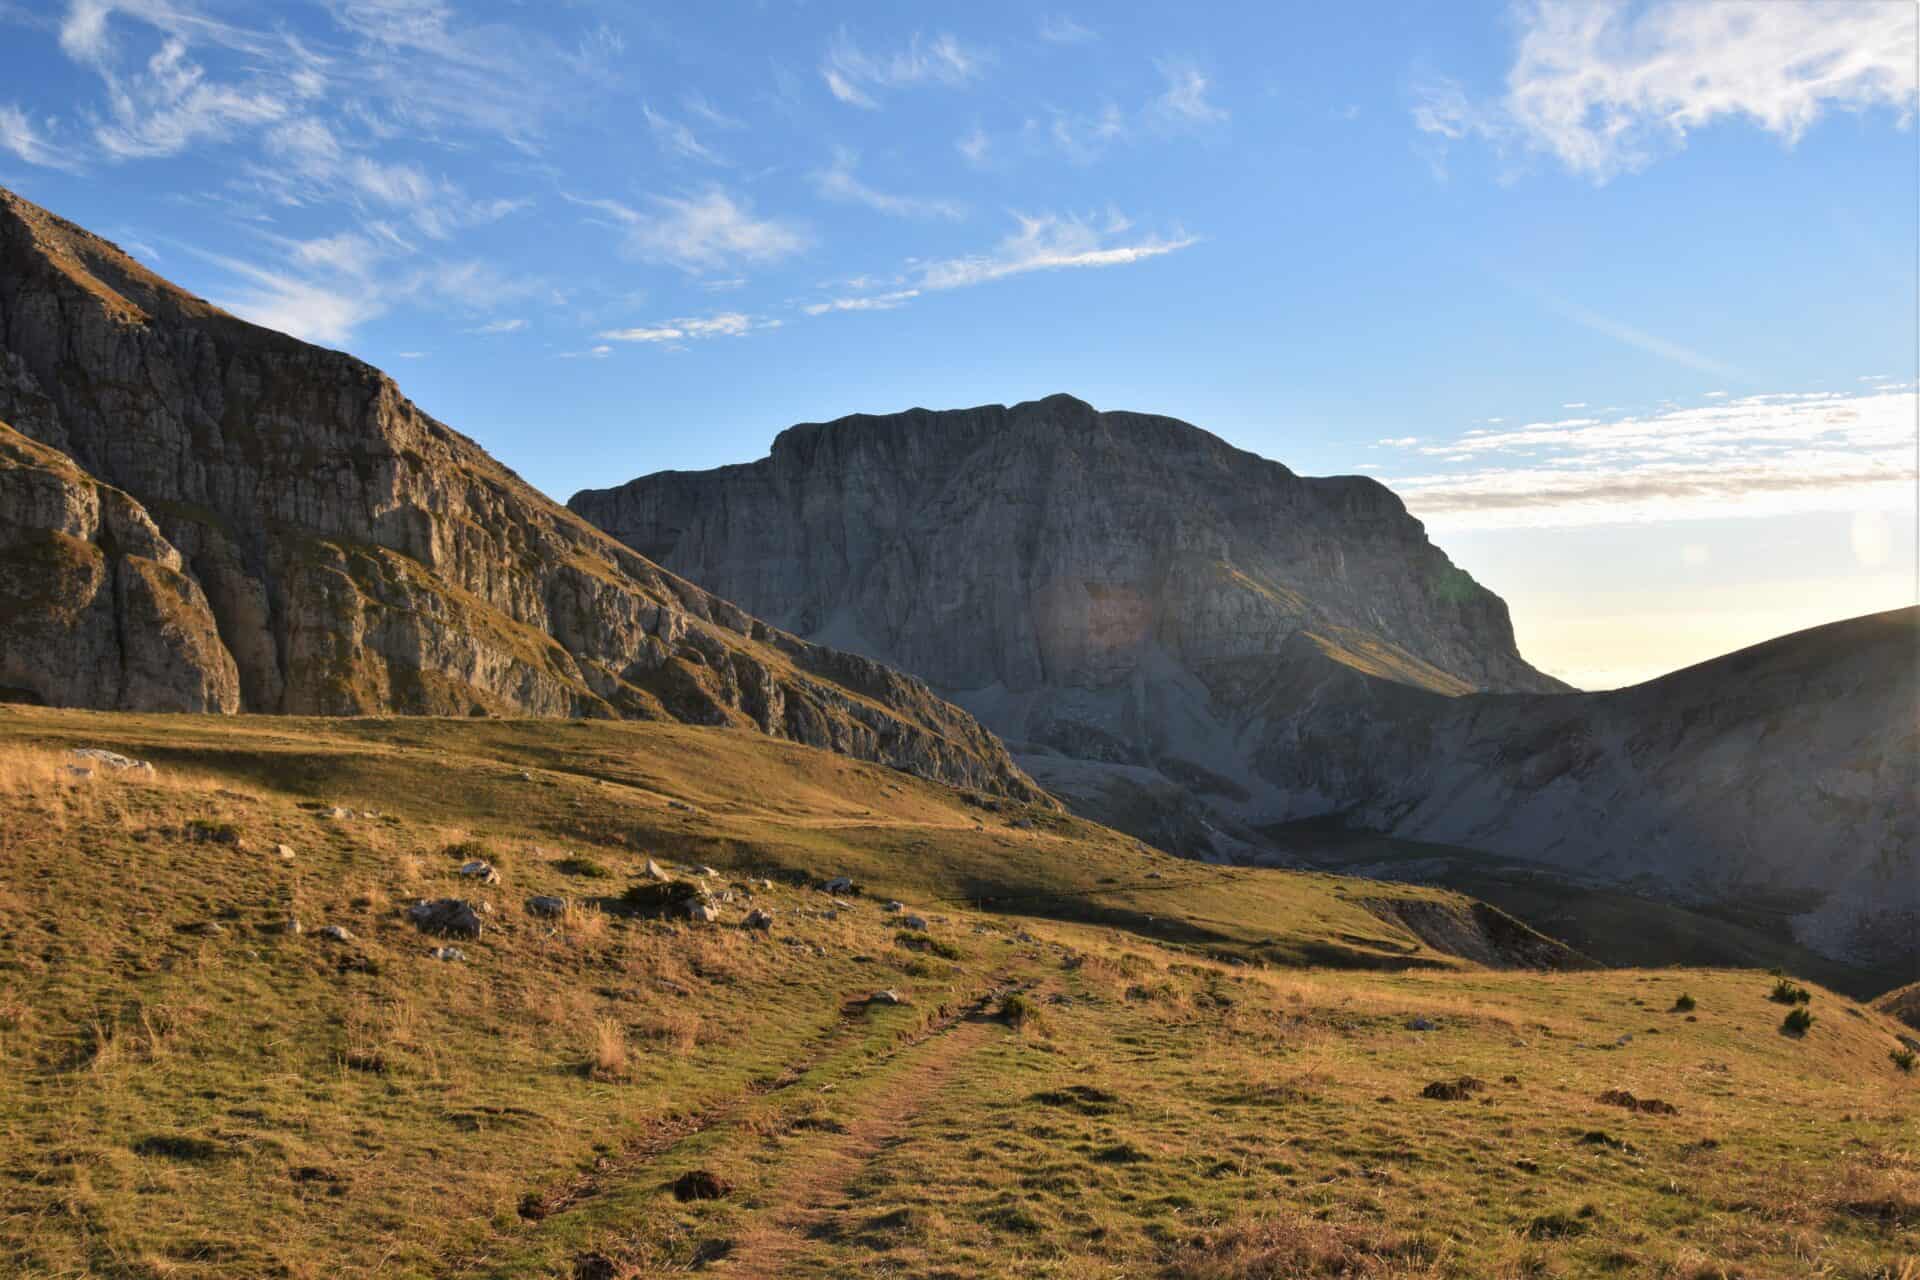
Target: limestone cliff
<point>1196,645</point>
<point>354,554</point>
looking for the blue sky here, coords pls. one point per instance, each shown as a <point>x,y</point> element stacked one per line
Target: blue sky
<point>1621,298</point>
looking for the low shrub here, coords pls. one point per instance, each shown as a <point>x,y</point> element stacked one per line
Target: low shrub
<point>584,867</point>
<point>1797,1022</point>
<point>1787,992</point>
<point>1018,1010</point>
<point>1683,1004</point>
<point>1902,1058</point>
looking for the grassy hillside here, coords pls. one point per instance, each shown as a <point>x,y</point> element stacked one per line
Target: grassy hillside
<point>1108,1062</point>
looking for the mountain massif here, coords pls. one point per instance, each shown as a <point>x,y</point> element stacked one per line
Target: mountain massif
<point>199,514</point>
<point>1195,644</point>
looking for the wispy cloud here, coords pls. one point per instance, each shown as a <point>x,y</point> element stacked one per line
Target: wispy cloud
<point>1058,28</point>
<point>307,309</point>
<point>838,182</point>
<point>1184,104</point>
<point>19,136</point>
<point>675,138</point>
<point>1605,88</point>
<point>1046,242</point>
<point>1050,242</point>
<point>975,147</point>
<point>724,324</point>
<point>854,76</point>
<point>514,325</point>
<point>1755,455</point>
<point>1650,343</point>
<point>707,232</point>
<point>864,302</point>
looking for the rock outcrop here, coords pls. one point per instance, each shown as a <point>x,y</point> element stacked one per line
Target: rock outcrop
<point>245,521</point>
<point>1194,644</point>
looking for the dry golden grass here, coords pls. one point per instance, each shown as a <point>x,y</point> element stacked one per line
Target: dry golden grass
<point>609,1055</point>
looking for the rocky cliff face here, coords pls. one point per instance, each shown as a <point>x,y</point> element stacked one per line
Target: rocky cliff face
<point>1194,644</point>
<point>353,554</point>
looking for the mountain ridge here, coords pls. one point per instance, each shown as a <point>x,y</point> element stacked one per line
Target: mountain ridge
<point>354,554</point>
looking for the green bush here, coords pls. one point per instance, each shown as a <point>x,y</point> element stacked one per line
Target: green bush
<point>1018,1010</point>
<point>1785,992</point>
<point>471,851</point>
<point>586,867</point>
<point>1684,1004</point>
<point>1902,1058</point>
<point>1797,1022</point>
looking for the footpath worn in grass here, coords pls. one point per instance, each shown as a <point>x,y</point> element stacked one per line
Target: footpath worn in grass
<point>1106,1062</point>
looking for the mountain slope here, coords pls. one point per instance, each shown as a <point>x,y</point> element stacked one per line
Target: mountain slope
<point>357,556</point>
<point>1195,645</point>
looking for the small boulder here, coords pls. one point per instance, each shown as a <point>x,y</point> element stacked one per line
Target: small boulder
<point>337,814</point>
<point>446,915</point>
<point>703,912</point>
<point>895,906</point>
<point>913,922</point>
<point>758,919</point>
<point>705,872</point>
<point>546,906</point>
<point>839,884</point>
<point>1422,1024</point>
<point>481,870</point>
<point>206,929</point>
<point>283,853</point>
<point>112,760</point>
<point>448,953</point>
<point>656,872</point>
<point>334,933</point>
<point>888,996</point>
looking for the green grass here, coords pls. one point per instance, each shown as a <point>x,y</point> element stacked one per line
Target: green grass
<point>1094,1073</point>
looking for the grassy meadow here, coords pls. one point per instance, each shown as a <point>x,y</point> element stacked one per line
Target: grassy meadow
<point>1103,1062</point>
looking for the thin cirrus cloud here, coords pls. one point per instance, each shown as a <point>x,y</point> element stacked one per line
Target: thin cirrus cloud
<point>725,324</point>
<point>675,138</point>
<point>700,233</point>
<point>838,182</point>
<point>1046,242</point>
<point>1058,28</point>
<point>856,77</point>
<point>1605,88</point>
<point>1751,456</point>
<point>20,137</point>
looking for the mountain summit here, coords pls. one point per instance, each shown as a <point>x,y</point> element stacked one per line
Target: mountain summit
<point>200,514</point>
<point>1197,645</point>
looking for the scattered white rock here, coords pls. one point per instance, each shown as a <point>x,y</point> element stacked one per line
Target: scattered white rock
<point>334,933</point>
<point>547,906</point>
<point>656,872</point>
<point>1155,875</point>
<point>448,953</point>
<point>888,996</point>
<point>524,776</point>
<point>703,912</point>
<point>207,929</point>
<point>284,853</point>
<point>480,870</point>
<point>839,884</point>
<point>843,906</point>
<point>682,806</point>
<point>913,922</point>
<point>895,906</point>
<point>705,872</point>
<point>338,814</point>
<point>764,883</point>
<point>113,760</point>
<point>291,927</point>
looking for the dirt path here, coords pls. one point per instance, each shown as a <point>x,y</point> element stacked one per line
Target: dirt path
<point>816,1189</point>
